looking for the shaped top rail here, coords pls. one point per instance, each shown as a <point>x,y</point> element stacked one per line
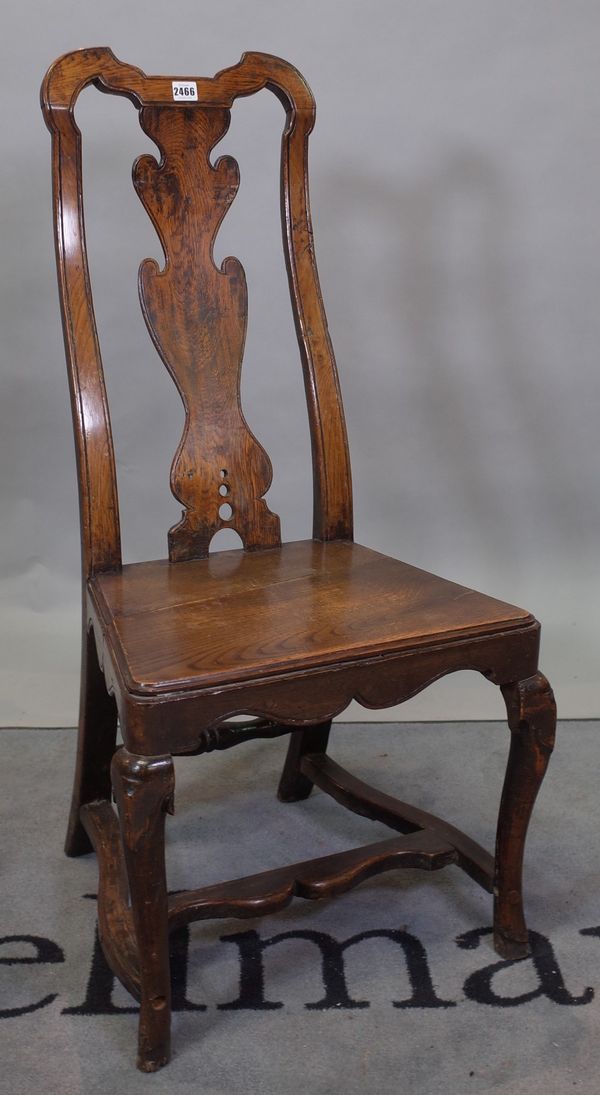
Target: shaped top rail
<point>69,74</point>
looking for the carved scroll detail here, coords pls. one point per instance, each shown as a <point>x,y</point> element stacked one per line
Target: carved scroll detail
<point>196,314</point>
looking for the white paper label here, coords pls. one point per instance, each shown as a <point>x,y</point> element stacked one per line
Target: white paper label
<point>184,89</point>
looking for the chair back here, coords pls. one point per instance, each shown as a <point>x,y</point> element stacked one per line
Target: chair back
<point>196,312</point>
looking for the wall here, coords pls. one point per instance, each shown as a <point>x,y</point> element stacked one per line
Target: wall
<point>456,200</point>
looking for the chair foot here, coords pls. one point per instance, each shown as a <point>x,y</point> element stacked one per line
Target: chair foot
<point>532,721</point>
<point>96,744</point>
<point>144,788</point>
<point>510,948</point>
<point>146,1065</point>
<point>294,785</point>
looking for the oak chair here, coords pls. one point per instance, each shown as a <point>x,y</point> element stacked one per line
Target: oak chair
<point>284,634</point>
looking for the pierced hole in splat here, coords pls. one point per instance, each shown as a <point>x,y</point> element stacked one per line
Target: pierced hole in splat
<point>223,490</point>
<point>224,473</point>
<point>226,539</point>
<point>225,512</point>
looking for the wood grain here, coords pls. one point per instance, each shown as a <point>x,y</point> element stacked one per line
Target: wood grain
<point>237,616</point>
<point>197,316</point>
<point>223,296</point>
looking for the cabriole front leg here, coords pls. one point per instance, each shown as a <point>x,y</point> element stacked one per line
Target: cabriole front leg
<point>143,789</point>
<point>532,720</point>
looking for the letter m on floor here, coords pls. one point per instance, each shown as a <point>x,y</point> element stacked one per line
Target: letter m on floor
<point>332,955</point>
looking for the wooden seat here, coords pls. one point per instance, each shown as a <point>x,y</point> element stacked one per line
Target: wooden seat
<point>285,634</point>
<point>237,616</point>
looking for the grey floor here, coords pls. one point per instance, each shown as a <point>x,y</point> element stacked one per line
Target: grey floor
<point>419,1006</point>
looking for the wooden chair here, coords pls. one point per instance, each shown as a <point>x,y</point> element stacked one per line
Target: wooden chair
<point>285,633</point>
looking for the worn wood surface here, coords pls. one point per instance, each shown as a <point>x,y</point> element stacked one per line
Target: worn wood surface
<point>143,789</point>
<point>285,633</point>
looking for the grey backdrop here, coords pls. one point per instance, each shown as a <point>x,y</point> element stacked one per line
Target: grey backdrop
<point>456,201</point>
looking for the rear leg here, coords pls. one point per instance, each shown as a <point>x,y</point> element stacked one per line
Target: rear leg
<point>95,746</point>
<point>294,785</point>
